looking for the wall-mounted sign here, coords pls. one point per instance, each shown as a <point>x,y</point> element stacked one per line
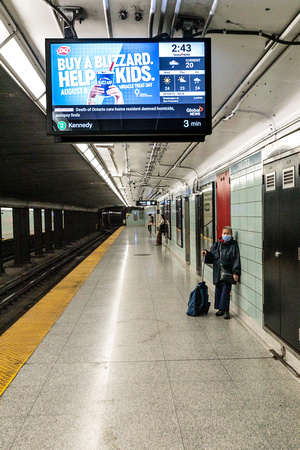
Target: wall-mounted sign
<point>146,202</point>
<point>245,163</point>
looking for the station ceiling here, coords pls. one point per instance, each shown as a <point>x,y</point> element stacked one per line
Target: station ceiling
<point>256,93</point>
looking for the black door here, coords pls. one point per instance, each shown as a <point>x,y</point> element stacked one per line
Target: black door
<point>281,249</point>
<point>179,216</point>
<point>199,226</point>
<point>187,230</point>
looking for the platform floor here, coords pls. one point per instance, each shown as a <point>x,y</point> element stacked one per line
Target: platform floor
<point>124,367</point>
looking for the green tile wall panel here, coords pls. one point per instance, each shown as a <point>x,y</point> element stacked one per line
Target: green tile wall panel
<point>246,221</point>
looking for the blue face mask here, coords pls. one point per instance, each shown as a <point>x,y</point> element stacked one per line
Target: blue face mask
<point>226,237</point>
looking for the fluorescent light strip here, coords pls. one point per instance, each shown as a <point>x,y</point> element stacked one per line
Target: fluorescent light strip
<point>19,61</point>
<point>89,155</point>
<point>42,102</point>
<point>82,147</point>
<point>101,171</point>
<point>4,33</point>
<point>95,162</point>
<point>19,64</point>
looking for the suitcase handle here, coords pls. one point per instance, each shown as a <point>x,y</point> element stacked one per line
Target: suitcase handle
<point>203,265</point>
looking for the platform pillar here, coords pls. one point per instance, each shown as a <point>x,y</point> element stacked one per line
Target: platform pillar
<point>48,231</point>
<point>38,232</point>
<point>21,236</point>
<point>58,228</point>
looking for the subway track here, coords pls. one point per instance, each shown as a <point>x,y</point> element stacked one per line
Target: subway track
<point>18,296</point>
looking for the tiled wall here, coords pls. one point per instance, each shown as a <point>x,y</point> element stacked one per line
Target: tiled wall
<point>246,221</point>
<point>135,223</point>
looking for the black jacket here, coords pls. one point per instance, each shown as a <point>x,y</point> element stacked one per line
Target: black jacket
<point>226,253</point>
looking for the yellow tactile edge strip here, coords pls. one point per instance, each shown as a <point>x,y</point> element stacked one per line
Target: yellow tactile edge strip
<point>22,338</point>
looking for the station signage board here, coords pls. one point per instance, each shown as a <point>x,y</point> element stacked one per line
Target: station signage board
<point>146,202</point>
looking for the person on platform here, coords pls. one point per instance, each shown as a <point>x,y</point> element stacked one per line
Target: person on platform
<point>225,257</point>
<point>150,223</point>
<point>161,226</point>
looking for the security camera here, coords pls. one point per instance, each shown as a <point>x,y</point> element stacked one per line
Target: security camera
<point>123,14</point>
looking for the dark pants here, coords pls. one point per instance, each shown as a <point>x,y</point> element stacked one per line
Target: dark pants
<point>150,228</point>
<point>158,237</point>
<point>222,296</point>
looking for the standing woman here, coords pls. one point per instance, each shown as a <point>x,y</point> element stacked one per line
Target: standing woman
<point>150,223</point>
<point>160,228</point>
<point>225,257</point>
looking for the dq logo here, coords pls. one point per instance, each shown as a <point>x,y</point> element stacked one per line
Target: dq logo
<point>63,50</point>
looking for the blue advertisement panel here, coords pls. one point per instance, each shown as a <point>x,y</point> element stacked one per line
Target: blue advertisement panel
<point>125,73</point>
<point>118,86</point>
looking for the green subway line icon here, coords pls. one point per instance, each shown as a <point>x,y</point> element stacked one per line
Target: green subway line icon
<point>61,125</point>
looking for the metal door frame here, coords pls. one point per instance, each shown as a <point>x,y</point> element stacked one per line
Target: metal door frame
<point>187,232</point>
<point>179,214</point>
<point>199,218</point>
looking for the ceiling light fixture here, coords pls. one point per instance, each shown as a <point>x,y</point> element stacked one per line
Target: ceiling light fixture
<point>82,147</point>
<point>89,155</point>
<point>117,174</point>
<point>92,157</point>
<point>18,60</point>
<point>104,145</point>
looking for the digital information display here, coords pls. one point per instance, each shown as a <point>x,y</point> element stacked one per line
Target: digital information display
<point>131,88</point>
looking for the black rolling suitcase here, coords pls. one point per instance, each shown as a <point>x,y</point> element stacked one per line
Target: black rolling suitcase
<point>198,303</point>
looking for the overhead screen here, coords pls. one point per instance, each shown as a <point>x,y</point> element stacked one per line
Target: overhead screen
<point>129,89</point>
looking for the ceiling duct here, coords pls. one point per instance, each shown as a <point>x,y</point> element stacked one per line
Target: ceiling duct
<point>107,17</point>
<point>162,16</point>
<point>210,16</point>
<point>175,17</point>
<point>151,18</point>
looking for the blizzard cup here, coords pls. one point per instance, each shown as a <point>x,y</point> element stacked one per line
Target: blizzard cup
<point>105,80</point>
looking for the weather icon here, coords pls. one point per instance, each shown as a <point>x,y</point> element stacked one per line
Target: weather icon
<point>167,80</point>
<point>173,63</point>
<point>197,80</point>
<point>182,80</point>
